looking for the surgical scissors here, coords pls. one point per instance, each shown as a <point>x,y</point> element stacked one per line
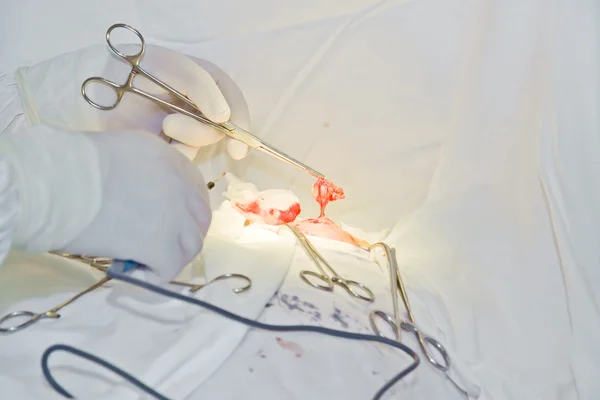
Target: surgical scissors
<point>328,282</point>
<point>395,323</point>
<point>227,128</point>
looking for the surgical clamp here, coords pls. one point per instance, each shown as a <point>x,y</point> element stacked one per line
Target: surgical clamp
<point>227,128</point>
<point>328,282</point>
<point>52,313</point>
<point>395,323</point>
<point>194,287</point>
<point>101,264</point>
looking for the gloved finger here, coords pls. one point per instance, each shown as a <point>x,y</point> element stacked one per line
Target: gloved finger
<point>190,243</point>
<point>188,151</point>
<point>207,96</point>
<point>189,131</point>
<point>191,134</point>
<point>193,233</point>
<point>187,77</point>
<point>197,134</point>
<point>199,208</point>
<point>240,115</point>
<point>236,149</point>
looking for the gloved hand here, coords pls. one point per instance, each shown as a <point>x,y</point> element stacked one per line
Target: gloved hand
<point>51,95</point>
<point>123,195</point>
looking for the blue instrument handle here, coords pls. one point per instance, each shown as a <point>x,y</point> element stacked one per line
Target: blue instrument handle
<point>125,266</point>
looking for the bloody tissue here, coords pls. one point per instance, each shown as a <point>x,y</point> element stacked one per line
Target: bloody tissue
<point>324,191</point>
<point>272,207</point>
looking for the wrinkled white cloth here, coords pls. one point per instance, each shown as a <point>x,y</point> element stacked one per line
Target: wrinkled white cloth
<point>469,108</point>
<point>570,150</point>
<point>192,353</point>
<point>306,365</point>
<point>169,345</point>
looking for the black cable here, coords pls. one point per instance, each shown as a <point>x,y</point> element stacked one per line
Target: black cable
<point>93,358</point>
<point>232,316</point>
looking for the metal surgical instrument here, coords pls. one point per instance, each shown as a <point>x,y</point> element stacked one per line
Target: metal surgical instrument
<point>194,287</point>
<point>395,323</point>
<point>227,128</point>
<point>328,282</point>
<point>52,313</point>
<point>102,264</point>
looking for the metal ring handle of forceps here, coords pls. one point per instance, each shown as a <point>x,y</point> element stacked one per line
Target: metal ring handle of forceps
<point>33,317</point>
<point>227,128</point>
<point>329,284</point>
<point>423,340</point>
<point>233,275</point>
<point>396,285</point>
<point>102,263</point>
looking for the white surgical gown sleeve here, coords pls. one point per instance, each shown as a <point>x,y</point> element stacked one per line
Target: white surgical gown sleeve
<point>50,180</point>
<point>10,114</point>
<point>9,207</point>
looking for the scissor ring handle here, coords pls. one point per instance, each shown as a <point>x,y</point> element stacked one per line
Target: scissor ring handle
<point>426,340</point>
<point>120,90</point>
<point>350,288</point>
<point>386,317</point>
<point>445,366</point>
<point>134,59</point>
<point>233,275</point>
<point>32,318</point>
<point>328,283</point>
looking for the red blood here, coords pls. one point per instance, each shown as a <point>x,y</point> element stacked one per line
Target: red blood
<point>290,214</point>
<point>326,228</point>
<point>290,346</point>
<point>269,216</point>
<point>324,191</point>
<point>252,208</point>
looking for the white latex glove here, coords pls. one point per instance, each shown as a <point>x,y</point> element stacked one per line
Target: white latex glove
<point>123,195</point>
<point>51,95</point>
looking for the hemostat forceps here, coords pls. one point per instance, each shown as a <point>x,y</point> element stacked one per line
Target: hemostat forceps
<point>102,264</point>
<point>397,286</point>
<point>52,313</point>
<point>328,282</point>
<point>194,287</point>
<point>227,128</point>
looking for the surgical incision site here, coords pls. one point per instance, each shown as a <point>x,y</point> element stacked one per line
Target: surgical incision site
<point>278,207</point>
